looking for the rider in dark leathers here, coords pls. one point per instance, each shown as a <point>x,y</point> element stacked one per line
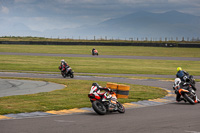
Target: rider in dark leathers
<point>181,74</point>
<point>178,85</point>
<point>93,51</point>
<point>185,77</point>
<point>183,82</point>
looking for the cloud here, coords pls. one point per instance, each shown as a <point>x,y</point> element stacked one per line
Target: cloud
<point>49,14</point>
<point>24,1</point>
<point>4,10</point>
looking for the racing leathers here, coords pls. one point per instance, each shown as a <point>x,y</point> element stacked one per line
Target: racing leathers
<point>177,87</point>
<point>96,90</point>
<point>182,75</point>
<point>181,85</point>
<point>185,77</point>
<point>64,66</point>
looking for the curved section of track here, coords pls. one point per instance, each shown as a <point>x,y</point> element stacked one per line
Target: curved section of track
<point>173,117</point>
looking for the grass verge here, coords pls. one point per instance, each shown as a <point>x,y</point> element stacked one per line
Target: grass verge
<point>72,96</point>
<point>103,50</point>
<point>97,65</point>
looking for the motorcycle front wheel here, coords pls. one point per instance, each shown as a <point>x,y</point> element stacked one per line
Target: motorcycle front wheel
<point>189,99</point>
<point>71,75</point>
<point>120,107</point>
<point>99,108</point>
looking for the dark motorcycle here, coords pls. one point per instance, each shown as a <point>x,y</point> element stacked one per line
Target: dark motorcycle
<point>187,90</point>
<point>66,72</point>
<point>102,107</point>
<point>189,95</point>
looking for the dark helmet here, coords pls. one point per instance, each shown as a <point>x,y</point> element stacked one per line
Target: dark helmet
<point>95,84</point>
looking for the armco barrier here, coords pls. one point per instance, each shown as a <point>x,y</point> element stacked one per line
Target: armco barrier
<point>121,90</point>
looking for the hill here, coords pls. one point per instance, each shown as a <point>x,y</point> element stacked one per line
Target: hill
<point>136,25</point>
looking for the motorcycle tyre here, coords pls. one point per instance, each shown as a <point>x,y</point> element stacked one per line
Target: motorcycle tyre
<point>64,75</point>
<point>96,108</point>
<point>120,107</point>
<point>191,101</point>
<point>71,75</point>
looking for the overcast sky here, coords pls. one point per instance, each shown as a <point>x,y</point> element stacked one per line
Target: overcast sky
<point>41,15</point>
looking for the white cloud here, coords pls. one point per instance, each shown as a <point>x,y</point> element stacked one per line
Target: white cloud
<point>4,10</point>
<point>49,14</point>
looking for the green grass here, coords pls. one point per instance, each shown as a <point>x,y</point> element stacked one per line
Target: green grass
<point>75,94</point>
<point>72,96</point>
<point>97,65</point>
<point>103,50</point>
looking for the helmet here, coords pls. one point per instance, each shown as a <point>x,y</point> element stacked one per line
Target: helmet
<point>95,84</point>
<point>62,60</point>
<point>177,81</point>
<point>179,69</point>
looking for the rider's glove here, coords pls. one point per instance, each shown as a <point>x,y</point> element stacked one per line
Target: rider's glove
<point>173,88</point>
<point>109,89</point>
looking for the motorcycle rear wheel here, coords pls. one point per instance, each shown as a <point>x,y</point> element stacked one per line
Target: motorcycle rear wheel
<point>120,107</point>
<point>189,99</point>
<point>99,108</point>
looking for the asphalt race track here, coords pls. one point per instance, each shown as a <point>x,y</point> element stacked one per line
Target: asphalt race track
<point>166,118</point>
<point>10,87</point>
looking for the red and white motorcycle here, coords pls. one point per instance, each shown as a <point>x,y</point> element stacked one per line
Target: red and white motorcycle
<point>102,105</point>
<point>95,52</point>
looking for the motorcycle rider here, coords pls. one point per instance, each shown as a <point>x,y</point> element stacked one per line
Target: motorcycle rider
<point>93,51</point>
<point>181,74</point>
<point>185,77</point>
<point>178,84</point>
<point>64,66</point>
<point>96,90</point>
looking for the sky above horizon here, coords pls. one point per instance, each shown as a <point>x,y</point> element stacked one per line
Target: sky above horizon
<point>41,15</point>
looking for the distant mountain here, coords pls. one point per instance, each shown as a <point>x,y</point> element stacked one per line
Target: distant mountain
<point>136,25</point>
<point>145,24</point>
<point>16,29</point>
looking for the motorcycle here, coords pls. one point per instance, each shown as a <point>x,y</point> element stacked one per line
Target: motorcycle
<point>187,90</point>
<point>95,52</point>
<point>101,107</point>
<point>189,95</point>
<point>67,72</point>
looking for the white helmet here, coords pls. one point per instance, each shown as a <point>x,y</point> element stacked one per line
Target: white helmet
<point>177,81</point>
<point>62,60</point>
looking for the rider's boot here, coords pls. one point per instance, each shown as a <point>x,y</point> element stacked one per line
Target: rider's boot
<point>181,99</point>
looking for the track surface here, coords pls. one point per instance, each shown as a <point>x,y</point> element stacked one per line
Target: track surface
<point>173,117</point>
<point>9,87</point>
<point>168,118</point>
